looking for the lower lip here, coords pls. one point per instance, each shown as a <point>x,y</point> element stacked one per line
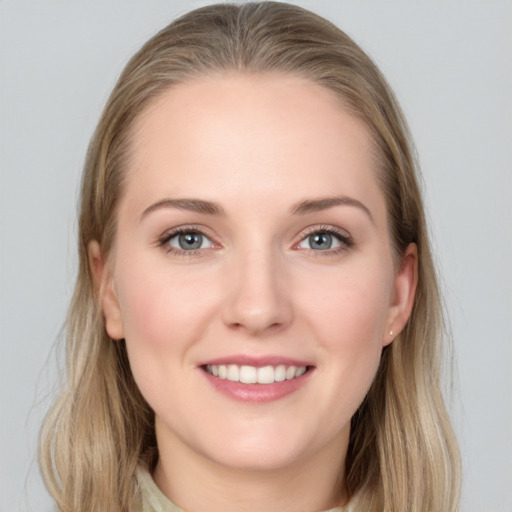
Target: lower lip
<point>257,393</point>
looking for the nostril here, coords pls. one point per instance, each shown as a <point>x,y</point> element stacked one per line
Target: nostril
<point>255,327</point>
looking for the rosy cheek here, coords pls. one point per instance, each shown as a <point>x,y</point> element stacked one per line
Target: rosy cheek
<point>167,308</point>
<point>354,306</point>
<point>150,318</point>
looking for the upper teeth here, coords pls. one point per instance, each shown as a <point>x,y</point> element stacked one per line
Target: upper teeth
<point>253,374</point>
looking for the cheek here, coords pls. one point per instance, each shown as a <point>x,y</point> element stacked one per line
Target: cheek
<point>159,306</point>
<point>352,310</point>
<point>163,316</point>
<point>349,320</point>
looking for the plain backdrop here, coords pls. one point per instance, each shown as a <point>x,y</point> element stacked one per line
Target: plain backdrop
<point>450,65</point>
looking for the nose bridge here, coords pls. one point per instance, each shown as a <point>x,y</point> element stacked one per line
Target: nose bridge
<point>258,299</point>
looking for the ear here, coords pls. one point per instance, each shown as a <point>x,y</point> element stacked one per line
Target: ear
<point>104,285</point>
<point>405,283</point>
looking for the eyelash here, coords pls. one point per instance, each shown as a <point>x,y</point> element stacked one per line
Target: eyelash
<point>346,241</point>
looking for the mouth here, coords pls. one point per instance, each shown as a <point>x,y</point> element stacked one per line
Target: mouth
<point>246,374</point>
<point>257,379</point>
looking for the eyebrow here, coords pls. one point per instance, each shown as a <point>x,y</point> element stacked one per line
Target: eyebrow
<point>212,208</point>
<point>193,205</point>
<point>324,203</point>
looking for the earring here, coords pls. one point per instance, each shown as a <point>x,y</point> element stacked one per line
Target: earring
<point>391,332</point>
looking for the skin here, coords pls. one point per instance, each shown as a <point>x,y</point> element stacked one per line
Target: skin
<point>257,146</point>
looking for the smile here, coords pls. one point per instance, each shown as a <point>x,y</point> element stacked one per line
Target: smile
<point>255,375</point>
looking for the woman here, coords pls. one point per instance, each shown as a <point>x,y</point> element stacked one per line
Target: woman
<point>256,323</point>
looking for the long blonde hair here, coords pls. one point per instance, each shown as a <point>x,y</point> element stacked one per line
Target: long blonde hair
<point>402,455</point>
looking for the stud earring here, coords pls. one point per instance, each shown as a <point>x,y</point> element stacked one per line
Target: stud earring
<point>391,332</point>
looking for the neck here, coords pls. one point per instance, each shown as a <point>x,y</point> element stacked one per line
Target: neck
<point>194,482</point>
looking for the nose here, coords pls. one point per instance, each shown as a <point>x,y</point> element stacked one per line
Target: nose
<point>258,294</point>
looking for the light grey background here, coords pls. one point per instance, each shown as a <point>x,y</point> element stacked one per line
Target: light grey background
<point>450,64</point>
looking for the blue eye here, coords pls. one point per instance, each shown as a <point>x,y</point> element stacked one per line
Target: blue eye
<point>325,240</point>
<point>187,241</point>
<point>321,241</point>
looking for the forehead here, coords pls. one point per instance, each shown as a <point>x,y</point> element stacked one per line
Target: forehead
<point>243,135</point>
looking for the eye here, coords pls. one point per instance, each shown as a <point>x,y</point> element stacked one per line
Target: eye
<point>189,241</point>
<point>325,239</point>
<point>321,241</point>
<point>185,240</point>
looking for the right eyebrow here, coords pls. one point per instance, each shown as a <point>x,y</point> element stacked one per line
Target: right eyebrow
<point>190,204</point>
<point>324,203</point>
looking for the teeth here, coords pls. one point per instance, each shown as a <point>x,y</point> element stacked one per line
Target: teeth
<point>233,373</point>
<point>280,373</point>
<point>248,374</point>
<point>300,371</point>
<point>290,372</point>
<point>253,375</point>
<point>266,375</point>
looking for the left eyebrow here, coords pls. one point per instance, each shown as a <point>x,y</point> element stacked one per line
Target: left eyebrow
<point>190,204</point>
<point>324,203</point>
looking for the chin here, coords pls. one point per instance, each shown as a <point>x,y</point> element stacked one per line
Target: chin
<point>257,460</point>
<point>264,450</point>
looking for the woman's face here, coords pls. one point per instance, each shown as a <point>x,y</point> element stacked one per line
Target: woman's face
<point>252,273</point>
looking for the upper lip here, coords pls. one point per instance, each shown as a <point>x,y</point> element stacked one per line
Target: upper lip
<point>257,361</point>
